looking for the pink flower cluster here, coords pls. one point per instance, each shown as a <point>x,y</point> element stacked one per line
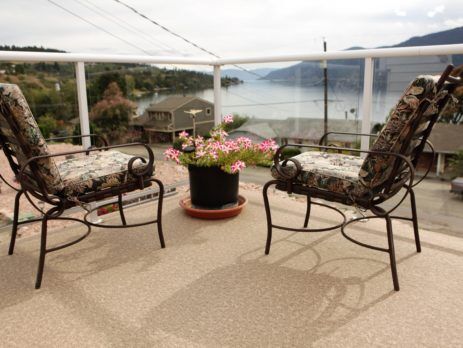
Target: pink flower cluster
<point>268,145</point>
<point>238,166</point>
<point>228,119</point>
<point>246,143</point>
<point>183,135</point>
<point>219,134</point>
<point>172,154</point>
<point>231,156</point>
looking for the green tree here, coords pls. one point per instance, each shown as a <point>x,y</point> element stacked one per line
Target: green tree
<point>47,125</point>
<point>456,164</point>
<point>112,114</point>
<point>101,84</point>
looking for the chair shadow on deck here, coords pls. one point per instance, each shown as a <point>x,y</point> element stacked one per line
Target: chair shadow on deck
<point>257,304</point>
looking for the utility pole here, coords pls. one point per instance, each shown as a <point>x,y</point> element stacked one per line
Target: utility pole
<point>325,82</point>
<point>192,114</point>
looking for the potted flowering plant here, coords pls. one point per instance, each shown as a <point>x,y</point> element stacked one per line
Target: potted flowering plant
<point>214,164</point>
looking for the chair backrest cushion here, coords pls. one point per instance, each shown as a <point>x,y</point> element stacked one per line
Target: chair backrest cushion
<point>400,128</point>
<point>20,132</point>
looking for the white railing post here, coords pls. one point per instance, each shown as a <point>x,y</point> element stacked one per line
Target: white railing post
<point>82,102</point>
<point>217,95</point>
<point>367,102</point>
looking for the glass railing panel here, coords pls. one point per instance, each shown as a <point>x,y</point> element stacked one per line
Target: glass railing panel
<point>288,102</point>
<point>50,90</point>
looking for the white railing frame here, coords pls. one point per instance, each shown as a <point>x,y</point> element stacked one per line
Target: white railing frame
<point>83,104</point>
<point>217,95</point>
<point>367,103</point>
<point>368,54</point>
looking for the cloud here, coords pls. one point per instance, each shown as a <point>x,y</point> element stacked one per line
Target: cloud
<point>436,10</point>
<point>235,28</point>
<point>453,23</point>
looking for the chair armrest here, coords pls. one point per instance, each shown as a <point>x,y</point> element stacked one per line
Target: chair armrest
<point>278,166</point>
<point>149,165</point>
<point>408,186</point>
<point>100,137</point>
<point>325,136</point>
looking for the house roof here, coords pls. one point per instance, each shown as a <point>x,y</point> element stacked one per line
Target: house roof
<point>172,103</point>
<point>262,129</point>
<point>300,128</point>
<point>447,138</point>
<point>313,128</point>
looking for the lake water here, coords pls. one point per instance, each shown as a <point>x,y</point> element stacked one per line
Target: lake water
<point>272,100</point>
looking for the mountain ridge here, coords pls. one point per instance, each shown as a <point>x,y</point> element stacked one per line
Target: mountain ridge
<point>310,73</point>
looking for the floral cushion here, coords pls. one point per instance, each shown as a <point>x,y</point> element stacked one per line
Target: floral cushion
<point>25,138</point>
<point>97,171</point>
<point>376,169</point>
<point>328,171</point>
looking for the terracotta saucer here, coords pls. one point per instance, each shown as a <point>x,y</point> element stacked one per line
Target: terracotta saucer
<point>211,214</point>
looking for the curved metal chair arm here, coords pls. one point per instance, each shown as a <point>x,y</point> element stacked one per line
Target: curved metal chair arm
<point>8,183</point>
<point>279,166</point>
<point>322,139</point>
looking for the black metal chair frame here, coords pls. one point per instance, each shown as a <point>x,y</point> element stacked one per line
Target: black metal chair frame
<point>404,167</point>
<point>36,188</point>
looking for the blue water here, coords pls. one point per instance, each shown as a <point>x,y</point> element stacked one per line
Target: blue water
<point>272,100</point>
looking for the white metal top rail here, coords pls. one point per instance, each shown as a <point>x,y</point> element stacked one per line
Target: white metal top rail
<point>17,56</point>
<point>112,58</point>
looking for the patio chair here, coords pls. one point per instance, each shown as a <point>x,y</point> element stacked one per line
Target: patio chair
<point>365,183</point>
<point>62,183</point>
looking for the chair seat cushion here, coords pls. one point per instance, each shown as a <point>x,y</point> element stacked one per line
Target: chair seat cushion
<point>327,171</point>
<point>97,171</point>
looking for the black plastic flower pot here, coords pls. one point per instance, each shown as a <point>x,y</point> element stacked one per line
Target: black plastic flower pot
<point>212,188</point>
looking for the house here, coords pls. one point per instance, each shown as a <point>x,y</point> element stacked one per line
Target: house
<point>393,74</point>
<point>161,122</point>
<point>447,140</point>
<point>400,71</point>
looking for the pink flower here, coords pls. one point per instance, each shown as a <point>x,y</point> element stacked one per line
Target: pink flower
<point>238,166</point>
<point>219,134</point>
<point>228,118</point>
<point>268,145</point>
<point>199,140</point>
<point>183,135</point>
<point>214,154</point>
<point>200,153</point>
<point>172,154</point>
<point>244,142</point>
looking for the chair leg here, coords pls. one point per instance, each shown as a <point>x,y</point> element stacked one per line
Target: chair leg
<point>307,213</point>
<point>390,240</point>
<point>415,221</point>
<point>121,209</point>
<point>43,250</point>
<point>159,217</point>
<point>14,230</point>
<point>269,216</point>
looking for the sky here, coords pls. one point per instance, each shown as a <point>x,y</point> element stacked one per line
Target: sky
<point>228,28</point>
